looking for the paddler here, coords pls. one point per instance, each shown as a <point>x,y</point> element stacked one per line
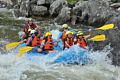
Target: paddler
<point>35,38</point>
<point>62,34</point>
<point>28,27</point>
<point>68,42</point>
<point>81,40</point>
<point>47,44</point>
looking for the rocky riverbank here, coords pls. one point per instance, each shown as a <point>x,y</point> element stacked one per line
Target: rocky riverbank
<point>94,13</point>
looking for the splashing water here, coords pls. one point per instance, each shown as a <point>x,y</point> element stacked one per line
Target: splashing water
<point>14,68</point>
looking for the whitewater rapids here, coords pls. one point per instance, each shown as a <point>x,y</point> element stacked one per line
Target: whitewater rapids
<point>14,68</point>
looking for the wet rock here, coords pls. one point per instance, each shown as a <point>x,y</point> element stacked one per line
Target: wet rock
<point>3,4</point>
<point>115,5</point>
<point>24,8</point>
<point>64,15</point>
<point>118,9</point>
<point>93,12</point>
<point>114,1</point>
<point>56,6</point>
<point>16,13</point>
<point>39,10</point>
<point>39,2</point>
<point>49,1</point>
<point>14,2</point>
<point>114,39</point>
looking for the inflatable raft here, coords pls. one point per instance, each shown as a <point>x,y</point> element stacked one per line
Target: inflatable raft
<point>73,55</point>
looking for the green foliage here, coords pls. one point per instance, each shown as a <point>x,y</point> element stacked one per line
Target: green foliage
<point>72,1</point>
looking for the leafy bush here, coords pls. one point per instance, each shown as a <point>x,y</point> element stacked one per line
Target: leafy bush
<point>72,1</point>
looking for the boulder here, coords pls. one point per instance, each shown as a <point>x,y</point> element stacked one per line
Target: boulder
<point>113,37</point>
<point>24,8</point>
<point>93,12</point>
<point>114,1</point>
<point>39,10</point>
<point>49,1</point>
<point>3,4</point>
<point>14,2</point>
<point>115,5</point>
<point>56,6</point>
<point>40,2</point>
<point>64,15</point>
<point>17,13</point>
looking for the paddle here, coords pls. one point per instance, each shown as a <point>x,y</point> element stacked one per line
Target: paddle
<point>100,37</point>
<point>24,50</point>
<point>12,45</point>
<point>105,27</point>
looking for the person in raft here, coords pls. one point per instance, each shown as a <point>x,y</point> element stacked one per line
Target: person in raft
<point>47,44</point>
<point>27,28</point>
<point>68,42</point>
<point>81,40</point>
<point>62,34</point>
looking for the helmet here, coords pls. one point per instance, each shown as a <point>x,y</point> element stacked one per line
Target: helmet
<point>29,30</point>
<point>32,31</point>
<point>30,19</point>
<point>80,34</point>
<point>48,34</point>
<point>64,26</point>
<point>68,32</point>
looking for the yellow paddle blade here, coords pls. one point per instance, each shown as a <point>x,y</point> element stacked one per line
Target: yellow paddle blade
<point>98,38</point>
<point>86,36</point>
<point>24,50</point>
<point>12,45</point>
<point>106,27</point>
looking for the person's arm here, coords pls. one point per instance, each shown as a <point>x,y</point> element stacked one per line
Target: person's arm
<point>67,44</point>
<point>34,26</point>
<point>25,28</point>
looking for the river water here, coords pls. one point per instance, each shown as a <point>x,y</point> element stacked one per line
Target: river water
<point>15,68</point>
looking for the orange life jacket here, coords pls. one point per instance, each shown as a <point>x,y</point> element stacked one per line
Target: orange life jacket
<point>82,43</point>
<point>63,35</point>
<point>68,42</point>
<point>49,44</point>
<point>36,41</point>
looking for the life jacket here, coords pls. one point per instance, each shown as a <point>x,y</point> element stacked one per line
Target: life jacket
<point>82,43</point>
<point>63,35</point>
<point>68,42</point>
<point>49,44</point>
<point>36,41</point>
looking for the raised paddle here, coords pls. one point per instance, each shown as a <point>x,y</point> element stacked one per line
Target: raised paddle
<point>24,50</point>
<point>12,45</point>
<point>105,27</point>
<point>100,37</point>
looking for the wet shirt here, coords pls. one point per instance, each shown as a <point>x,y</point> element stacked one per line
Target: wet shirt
<point>32,26</point>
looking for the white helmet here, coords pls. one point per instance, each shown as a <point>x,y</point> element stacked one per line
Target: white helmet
<point>64,26</point>
<point>32,31</point>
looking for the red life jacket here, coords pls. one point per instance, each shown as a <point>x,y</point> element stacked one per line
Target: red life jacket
<point>68,42</point>
<point>36,41</point>
<point>49,44</point>
<point>63,35</point>
<point>82,43</point>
